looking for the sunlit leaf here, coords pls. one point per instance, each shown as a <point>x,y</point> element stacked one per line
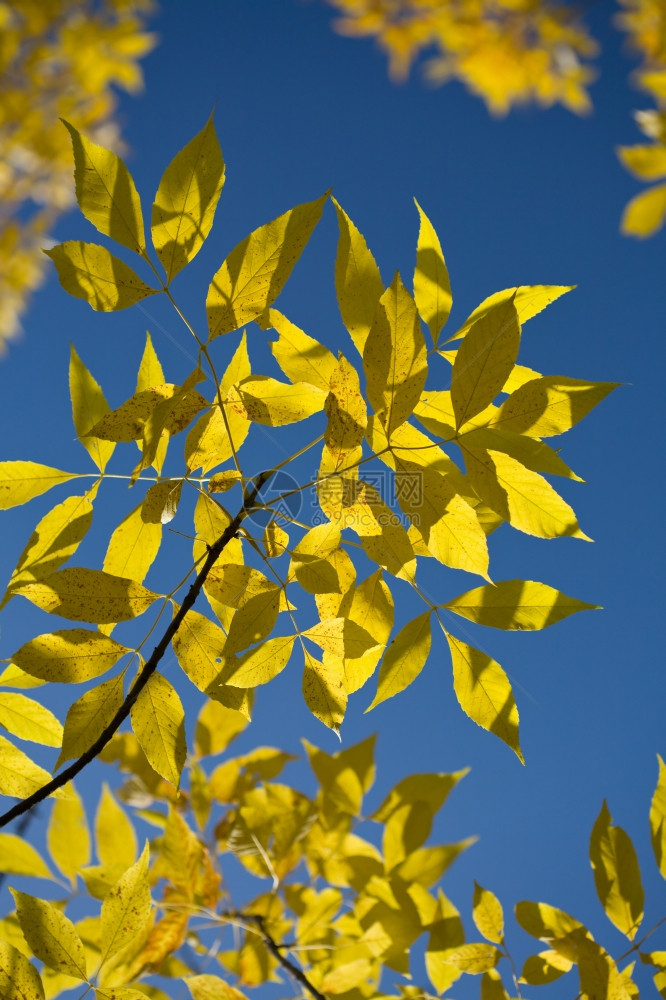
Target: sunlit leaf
<point>51,936</point>
<point>358,283</point>
<point>90,272</point>
<point>266,401</point>
<point>69,656</point>
<point>301,358</point>
<point>658,819</point>
<point>88,406</point>
<point>19,980</point>
<point>475,958</point>
<point>27,719</point>
<point>617,876</point>
<point>126,909</point>
<point>324,691</point>
<point>89,595</point>
<point>133,546</point>
<point>550,405</point>
<point>529,300</point>
<point>88,717</point>
<point>516,604</point>
<point>487,914</point>
<point>68,836</point>
<point>432,288</point>
<point>158,720</point>
<point>18,857</point>
<point>22,481</point>
<point>216,727</point>
<point>115,839</point>
<point>20,776</point>
<point>262,664</point>
<point>645,214</point>
<point>546,967</point>
<point>208,987</point>
<point>404,659</point>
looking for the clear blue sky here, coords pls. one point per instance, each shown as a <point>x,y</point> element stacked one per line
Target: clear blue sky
<point>533,198</point>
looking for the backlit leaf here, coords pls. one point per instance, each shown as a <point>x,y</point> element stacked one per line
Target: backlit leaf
<point>223,481</point>
<point>70,656</point>
<point>546,967</point>
<point>404,659</point>
<point>341,637</point>
<point>516,604</point>
<point>20,776</point>
<point>347,415</point>
<point>301,358</point>
<point>68,836</point>
<point>484,361</point>
<point>324,692</point>
<point>484,692</point>
<point>207,987</point>
<point>487,914</point>
<point>546,922</point>
<point>617,876</point>
<point>432,288</point>
<point>262,664</point>
<point>186,200</point>
<point>276,540</point>
<point>475,958</point>
<point>254,273</point>
<point>22,481</point>
<point>19,980</point>
<point>358,283</point>
<point>89,716</point>
<point>129,421</point>
<point>126,909</point>
<point>199,647</point>
<point>106,192</point>
<point>550,405</point>
<point>89,595</point>
<point>18,857</point>
<point>90,272</point>
<point>115,838</point>
<point>381,531</point>
<point>644,215</point>
<point>133,546</point>
<point>158,720</point>
<point>310,563</point>
<point>394,357</point>
<point>216,727</point>
<point>658,819</point>
<point>27,719</point>
<point>88,406</point>
<point>51,936</point>
<point>266,401</point>
<point>372,608</point>
<point>529,300</point>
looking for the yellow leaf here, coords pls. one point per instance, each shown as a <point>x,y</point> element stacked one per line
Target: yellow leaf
<point>262,664</point>
<point>516,604</point>
<point>216,727</point>
<point>404,659</point>
<point>520,374</point>
<point>484,360</point>
<point>658,819</point>
<point>19,980</point>
<point>199,647</point>
<point>646,162</point>
<point>432,288</point>
<point>54,540</point>
<point>20,776</point>
<point>70,656</point>
<point>115,838</point>
<point>150,370</point>
<point>550,405</point>
<point>330,603</point>
<point>411,445</point>
<point>531,452</point>
<point>529,300</point>
<point>276,540</point>
<point>341,637</point>
<point>347,414</point>
<point>394,357</point>
<point>254,620</point>
<point>301,358</point>
<point>223,481</point>
<point>324,691</point>
<point>474,958</point>
<point>372,608</point>
<point>158,720</point>
<point>266,401</point>
<point>160,504</point>
<point>126,909</point>
<point>170,416</point>
<point>405,831</point>
<point>444,520</point>
<point>88,406</point>
<point>358,283</point>
<point>546,967</point>
<point>644,215</point>
<point>426,865</point>
<point>446,934</point>
<point>254,273</point>
<point>29,720</point>
<point>124,993</point>
<point>18,857</point>
<point>51,936</point>
<point>129,421</point>
<point>617,875</point>
<point>133,546</point>
<point>90,272</point>
<point>547,922</point>
<point>430,789</point>
<point>207,987</point>
<point>522,497</point>
<point>23,481</point>
<point>68,836</point>
<point>106,192</point>
<point>310,562</point>
<point>89,595</point>
<point>487,914</point>
<point>186,200</point>
<point>207,443</point>
<point>88,717</point>
<point>484,692</point>
<point>492,987</point>
<point>380,529</point>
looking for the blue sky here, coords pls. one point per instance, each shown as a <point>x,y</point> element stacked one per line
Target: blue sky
<point>532,198</point>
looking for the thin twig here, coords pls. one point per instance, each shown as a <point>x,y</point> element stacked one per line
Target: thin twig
<point>276,950</point>
<point>150,665</point>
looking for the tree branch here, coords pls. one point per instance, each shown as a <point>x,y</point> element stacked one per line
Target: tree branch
<point>149,666</point>
<point>276,950</point>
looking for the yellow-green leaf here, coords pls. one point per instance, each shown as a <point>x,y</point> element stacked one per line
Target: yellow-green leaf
<point>646,162</point>
<point>207,987</point>
<point>262,664</point>
<point>23,481</point>
<point>89,595</point>
<point>69,656</point>
<point>186,200</point>
<point>106,192</point>
<point>89,716</point>
<point>266,401</point>
<point>88,406</point>
<point>115,838</point>
<point>150,369</point>
<point>474,958</point>
<point>516,604</point>
<point>530,452</point>
<point>216,727</point>
<point>394,357</point>
<point>484,692</point>
<point>658,819</point>
<point>301,358</point>
<point>550,405</point>
<point>90,272</point>
<point>404,659</point>
<point>18,857</point>
<point>126,909</point>
<point>432,288</point>
<point>27,719</point>
<point>133,546</point>
<point>158,720</point>
<point>484,360</point>
<point>341,636</point>
<point>644,215</point>
<point>529,300</point>
<point>358,283</point>
<point>51,936</point>
<point>54,540</point>
<point>68,836</point>
<point>254,273</point>
<point>617,875</point>
<point>324,691</point>
<point>20,776</point>
<point>19,980</point>
<point>487,914</point>
<point>546,967</point>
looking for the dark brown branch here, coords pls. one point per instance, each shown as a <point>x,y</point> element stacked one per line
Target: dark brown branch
<point>149,666</point>
<point>276,950</point>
